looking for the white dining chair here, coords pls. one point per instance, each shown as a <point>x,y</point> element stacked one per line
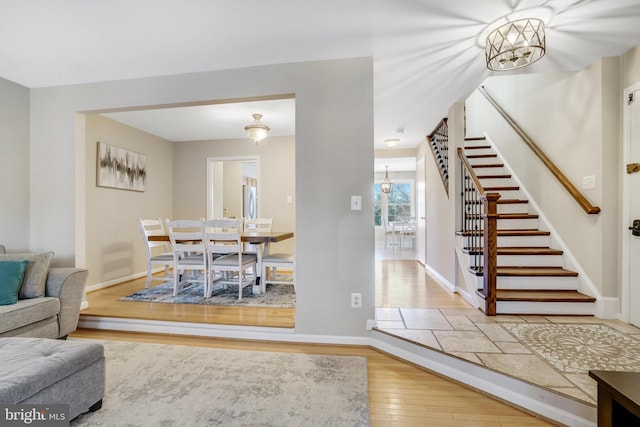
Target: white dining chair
<point>158,253</point>
<point>189,252</point>
<point>227,262</point>
<point>270,265</point>
<point>391,237</point>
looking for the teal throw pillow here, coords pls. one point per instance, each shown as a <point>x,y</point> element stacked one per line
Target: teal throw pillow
<point>11,274</point>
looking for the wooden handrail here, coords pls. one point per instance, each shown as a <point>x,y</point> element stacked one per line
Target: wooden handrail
<point>575,193</point>
<point>469,169</point>
<point>439,143</point>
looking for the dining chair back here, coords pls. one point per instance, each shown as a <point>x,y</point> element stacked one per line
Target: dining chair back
<point>256,224</point>
<point>189,252</point>
<point>390,235</point>
<point>158,253</point>
<point>227,262</point>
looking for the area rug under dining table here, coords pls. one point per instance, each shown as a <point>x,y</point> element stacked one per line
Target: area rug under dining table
<point>183,386</point>
<point>277,295</point>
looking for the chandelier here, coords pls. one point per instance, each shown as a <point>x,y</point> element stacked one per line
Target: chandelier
<point>515,44</point>
<point>386,186</point>
<point>256,130</point>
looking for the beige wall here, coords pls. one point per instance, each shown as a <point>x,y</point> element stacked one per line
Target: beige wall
<point>276,179</point>
<point>114,247</point>
<point>14,166</point>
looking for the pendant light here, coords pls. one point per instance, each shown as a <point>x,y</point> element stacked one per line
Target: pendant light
<point>386,186</point>
<point>256,130</point>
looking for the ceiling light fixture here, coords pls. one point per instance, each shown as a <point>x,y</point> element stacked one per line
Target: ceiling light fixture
<point>256,130</point>
<point>392,142</point>
<point>386,186</point>
<point>515,44</point>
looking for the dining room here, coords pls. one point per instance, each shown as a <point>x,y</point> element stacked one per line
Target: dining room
<point>232,177</point>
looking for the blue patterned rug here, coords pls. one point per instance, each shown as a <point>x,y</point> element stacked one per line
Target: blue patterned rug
<point>282,296</point>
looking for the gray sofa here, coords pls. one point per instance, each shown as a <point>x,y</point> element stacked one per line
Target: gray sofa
<point>49,299</point>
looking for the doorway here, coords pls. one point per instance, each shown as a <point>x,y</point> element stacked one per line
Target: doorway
<point>631,207</point>
<point>233,187</point>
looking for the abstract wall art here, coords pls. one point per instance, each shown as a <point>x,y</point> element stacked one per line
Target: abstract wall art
<point>121,168</point>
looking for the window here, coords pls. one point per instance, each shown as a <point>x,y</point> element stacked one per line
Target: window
<point>396,205</point>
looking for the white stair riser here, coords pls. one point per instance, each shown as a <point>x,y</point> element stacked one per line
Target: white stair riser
<point>564,283</point>
<point>497,182</point>
<point>524,283</point>
<point>510,241</point>
<point>495,170</point>
<point>513,208</point>
<point>514,224</point>
<point>523,241</point>
<point>478,151</point>
<point>560,308</point>
<point>517,224</point>
<point>528,260</point>
<point>508,194</point>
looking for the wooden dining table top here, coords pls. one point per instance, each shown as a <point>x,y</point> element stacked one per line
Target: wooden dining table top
<point>255,237</point>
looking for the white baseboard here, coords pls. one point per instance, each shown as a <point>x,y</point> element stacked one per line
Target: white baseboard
<point>441,279</point>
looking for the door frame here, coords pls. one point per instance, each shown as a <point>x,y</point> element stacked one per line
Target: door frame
<point>210,186</point>
<point>625,291</point>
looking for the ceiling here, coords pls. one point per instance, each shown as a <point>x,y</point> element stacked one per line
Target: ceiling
<point>427,54</point>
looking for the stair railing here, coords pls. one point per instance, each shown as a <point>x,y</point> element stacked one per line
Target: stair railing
<point>480,227</point>
<point>564,181</point>
<point>439,143</point>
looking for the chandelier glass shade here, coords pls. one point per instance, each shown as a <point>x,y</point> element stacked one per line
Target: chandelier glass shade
<point>257,130</point>
<point>515,44</point>
<point>386,186</point>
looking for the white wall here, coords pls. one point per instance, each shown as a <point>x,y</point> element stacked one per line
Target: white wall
<point>276,180</point>
<point>14,166</point>
<point>114,246</point>
<point>334,160</point>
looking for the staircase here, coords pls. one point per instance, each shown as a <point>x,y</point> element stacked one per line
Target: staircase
<point>531,278</point>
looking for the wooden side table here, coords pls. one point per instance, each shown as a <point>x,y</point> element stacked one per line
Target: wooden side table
<point>618,398</point>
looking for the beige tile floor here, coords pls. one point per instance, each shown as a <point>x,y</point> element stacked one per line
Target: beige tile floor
<point>554,352</point>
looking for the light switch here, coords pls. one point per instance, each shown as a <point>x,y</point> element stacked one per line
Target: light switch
<point>589,182</point>
<point>356,203</point>
<point>289,199</point>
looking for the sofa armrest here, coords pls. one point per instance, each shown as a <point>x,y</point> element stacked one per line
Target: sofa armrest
<point>67,284</point>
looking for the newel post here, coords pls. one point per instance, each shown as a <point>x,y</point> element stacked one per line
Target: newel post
<point>490,252</point>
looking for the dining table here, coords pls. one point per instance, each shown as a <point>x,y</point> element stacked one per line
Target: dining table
<point>259,238</point>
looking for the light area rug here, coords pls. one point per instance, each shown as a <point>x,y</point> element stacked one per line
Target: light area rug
<point>282,296</point>
<point>170,385</point>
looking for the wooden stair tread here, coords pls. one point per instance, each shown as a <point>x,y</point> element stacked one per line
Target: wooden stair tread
<point>506,232</point>
<point>518,250</point>
<point>474,138</point>
<point>477,147</point>
<point>488,165</point>
<point>535,271</point>
<point>481,156</point>
<point>502,188</point>
<point>500,202</point>
<point>542,296</point>
<point>502,176</point>
<point>522,215</point>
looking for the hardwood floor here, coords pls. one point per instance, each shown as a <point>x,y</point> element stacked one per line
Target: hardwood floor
<point>400,394</point>
<point>104,302</point>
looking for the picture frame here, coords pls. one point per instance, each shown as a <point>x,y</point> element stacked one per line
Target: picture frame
<point>120,168</point>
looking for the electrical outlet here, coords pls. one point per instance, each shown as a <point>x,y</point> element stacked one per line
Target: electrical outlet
<point>356,300</point>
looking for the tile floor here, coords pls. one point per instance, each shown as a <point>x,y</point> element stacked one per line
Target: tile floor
<point>554,352</point>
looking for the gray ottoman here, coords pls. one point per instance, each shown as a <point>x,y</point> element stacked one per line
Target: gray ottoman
<point>44,371</point>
